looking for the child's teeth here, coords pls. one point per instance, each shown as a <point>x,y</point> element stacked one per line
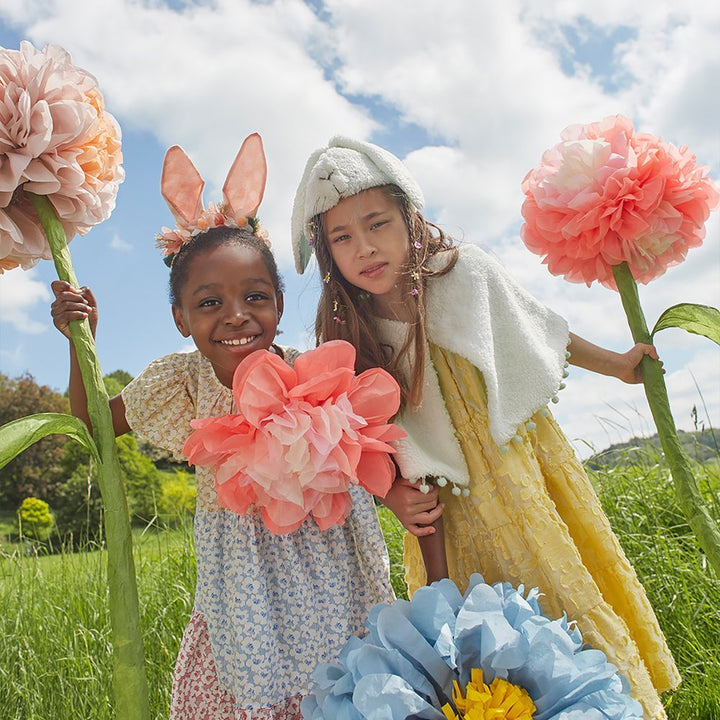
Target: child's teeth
<point>238,341</point>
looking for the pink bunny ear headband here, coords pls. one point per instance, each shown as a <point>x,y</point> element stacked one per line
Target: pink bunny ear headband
<point>181,185</point>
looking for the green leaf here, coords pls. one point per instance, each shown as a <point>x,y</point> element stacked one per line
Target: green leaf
<point>20,434</point>
<point>699,319</point>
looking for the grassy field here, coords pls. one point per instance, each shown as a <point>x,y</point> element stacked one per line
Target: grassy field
<point>639,500</point>
<point>54,628</point>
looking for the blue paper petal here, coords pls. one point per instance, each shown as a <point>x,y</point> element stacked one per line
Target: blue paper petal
<point>388,697</point>
<point>372,660</point>
<point>406,664</point>
<point>484,638</point>
<point>432,609</point>
<point>396,631</point>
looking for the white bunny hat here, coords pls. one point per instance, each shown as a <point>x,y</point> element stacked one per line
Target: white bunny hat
<point>342,169</point>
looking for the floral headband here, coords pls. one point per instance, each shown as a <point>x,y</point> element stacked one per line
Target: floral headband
<point>181,185</point>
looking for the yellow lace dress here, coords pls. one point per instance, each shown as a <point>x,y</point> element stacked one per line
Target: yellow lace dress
<point>533,517</point>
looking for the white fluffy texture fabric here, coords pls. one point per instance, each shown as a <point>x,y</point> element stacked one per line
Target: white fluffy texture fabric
<point>342,169</point>
<point>430,447</point>
<point>479,312</point>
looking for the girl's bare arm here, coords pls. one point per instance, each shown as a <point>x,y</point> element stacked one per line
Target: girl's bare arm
<point>624,366</point>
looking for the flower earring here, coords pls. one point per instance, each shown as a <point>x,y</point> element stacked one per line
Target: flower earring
<point>416,265</point>
<point>336,313</point>
<point>336,306</point>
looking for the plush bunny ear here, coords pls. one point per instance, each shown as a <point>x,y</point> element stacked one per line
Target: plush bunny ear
<point>245,184</point>
<point>181,185</point>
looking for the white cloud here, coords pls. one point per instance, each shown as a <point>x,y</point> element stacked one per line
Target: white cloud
<point>474,75</point>
<point>11,357</point>
<point>207,76</point>
<point>19,292</point>
<point>119,244</point>
<point>472,92</point>
<point>485,81</point>
<point>669,65</point>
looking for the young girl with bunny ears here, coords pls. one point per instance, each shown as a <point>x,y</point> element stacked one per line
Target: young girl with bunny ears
<point>268,607</point>
<point>478,360</point>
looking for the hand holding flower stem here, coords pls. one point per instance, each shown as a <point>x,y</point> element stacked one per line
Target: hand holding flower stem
<point>612,205</point>
<point>62,164</point>
<point>129,679</point>
<point>687,493</point>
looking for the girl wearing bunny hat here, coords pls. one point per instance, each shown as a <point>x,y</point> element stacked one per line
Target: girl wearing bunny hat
<point>479,360</point>
<point>268,608</point>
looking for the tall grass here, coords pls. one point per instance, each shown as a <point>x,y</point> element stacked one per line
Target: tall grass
<point>640,502</point>
<point>55,655</point>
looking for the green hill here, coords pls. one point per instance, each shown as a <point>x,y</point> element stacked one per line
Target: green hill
<point>702,446</point>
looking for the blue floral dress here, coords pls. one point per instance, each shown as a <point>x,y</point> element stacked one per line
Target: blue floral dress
<point>268,608</point>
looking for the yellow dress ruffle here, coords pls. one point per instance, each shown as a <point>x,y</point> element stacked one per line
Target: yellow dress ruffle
<point>533,517</point>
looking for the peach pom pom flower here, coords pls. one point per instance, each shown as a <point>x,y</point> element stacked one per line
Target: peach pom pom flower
<point>620,207</point>
<point>301,436</point>
<point>56,140</point>
<point>606,195</point>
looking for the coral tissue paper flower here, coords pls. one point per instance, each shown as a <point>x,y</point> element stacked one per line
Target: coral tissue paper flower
<point>606,195</point>
<point>301,436</point>
<point>56,139</point>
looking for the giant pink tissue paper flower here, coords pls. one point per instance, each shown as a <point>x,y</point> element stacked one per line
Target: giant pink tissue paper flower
<point>301,436</point>
<point>606,195</point>
<point>56,139</point>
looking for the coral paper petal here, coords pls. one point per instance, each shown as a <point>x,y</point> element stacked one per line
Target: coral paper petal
<point>375,395</point>
<point>329,356</point>
<point>260,385</point>
<point>376,473</point>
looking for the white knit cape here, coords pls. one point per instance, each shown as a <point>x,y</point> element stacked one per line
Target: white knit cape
<point>478,311</point>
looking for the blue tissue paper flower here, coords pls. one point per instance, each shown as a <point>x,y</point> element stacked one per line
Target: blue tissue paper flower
<point>413,652</point>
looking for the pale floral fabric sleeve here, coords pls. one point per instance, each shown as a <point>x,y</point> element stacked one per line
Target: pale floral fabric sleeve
<point>290,354</point>
<point>161,401</point>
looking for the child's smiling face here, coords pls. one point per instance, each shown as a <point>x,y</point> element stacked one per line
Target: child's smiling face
<point>228,304</point>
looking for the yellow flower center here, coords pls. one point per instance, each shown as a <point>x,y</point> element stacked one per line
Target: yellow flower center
<point>500,700</point>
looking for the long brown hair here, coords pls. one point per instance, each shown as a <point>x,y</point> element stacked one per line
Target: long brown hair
<point>345,311</point>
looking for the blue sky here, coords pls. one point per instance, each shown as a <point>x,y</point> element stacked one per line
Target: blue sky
<point>469,94</point>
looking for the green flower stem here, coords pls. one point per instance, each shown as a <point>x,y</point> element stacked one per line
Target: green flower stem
<point>687,493</point>
<point>129,679</point>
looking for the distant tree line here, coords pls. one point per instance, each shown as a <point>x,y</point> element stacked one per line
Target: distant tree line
<point>701,445</point>
<point>61,473</point>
